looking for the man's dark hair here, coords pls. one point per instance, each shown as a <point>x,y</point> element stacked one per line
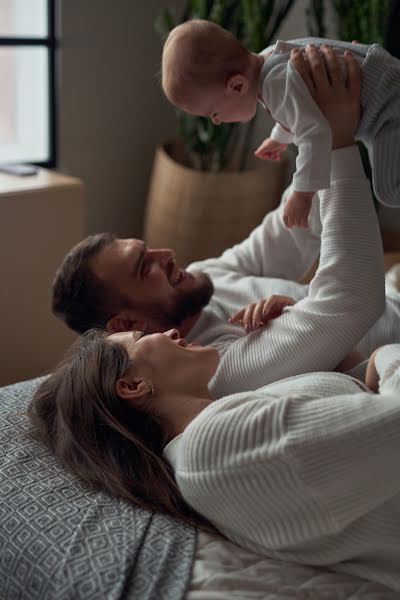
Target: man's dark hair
<point>79,298</point>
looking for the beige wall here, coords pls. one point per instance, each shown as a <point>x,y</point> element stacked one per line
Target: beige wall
<point>111,109</point>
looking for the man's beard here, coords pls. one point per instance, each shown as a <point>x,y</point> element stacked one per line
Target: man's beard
<point>186,304</point>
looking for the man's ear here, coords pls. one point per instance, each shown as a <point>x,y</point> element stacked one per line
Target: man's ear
<point>125,322</point>
<point>132,388</point>
<point>237,84</point>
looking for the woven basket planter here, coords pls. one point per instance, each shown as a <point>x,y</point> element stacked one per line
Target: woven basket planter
<point>200,214</point>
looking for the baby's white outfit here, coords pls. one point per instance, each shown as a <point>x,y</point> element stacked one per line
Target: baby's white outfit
<point>286,96</point>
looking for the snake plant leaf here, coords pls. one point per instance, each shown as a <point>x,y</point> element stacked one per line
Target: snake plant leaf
<point>315,15</point>
<point>217,12</point>
<point>199,9</point>
<point>165,22</point>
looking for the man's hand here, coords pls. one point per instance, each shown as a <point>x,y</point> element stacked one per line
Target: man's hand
<point>297,209</point>
<point>258,314</point>
<point>338,100</point>
<point>270,149</point>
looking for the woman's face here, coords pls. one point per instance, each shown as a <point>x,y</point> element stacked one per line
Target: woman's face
<point>174,364</point>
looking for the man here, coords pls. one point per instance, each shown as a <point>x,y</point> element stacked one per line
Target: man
<point>123,285</point>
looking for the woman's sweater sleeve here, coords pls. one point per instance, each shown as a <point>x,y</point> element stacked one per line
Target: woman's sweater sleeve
<point>283,471</point>
<point>345,297</point>
<point>346,450</point>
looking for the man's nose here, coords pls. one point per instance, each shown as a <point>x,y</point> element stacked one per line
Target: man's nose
<point>173,334</point>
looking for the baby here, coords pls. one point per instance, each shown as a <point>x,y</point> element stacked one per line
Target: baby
<point>207,72</point>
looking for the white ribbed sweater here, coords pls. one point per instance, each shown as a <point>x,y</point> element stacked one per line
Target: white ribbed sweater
<point>306,470</point>
<point>341,304</point>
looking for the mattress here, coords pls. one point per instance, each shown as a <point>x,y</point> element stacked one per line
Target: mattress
<point>224,571</point>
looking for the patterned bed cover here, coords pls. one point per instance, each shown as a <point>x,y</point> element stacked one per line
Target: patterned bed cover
<point>60,540</point>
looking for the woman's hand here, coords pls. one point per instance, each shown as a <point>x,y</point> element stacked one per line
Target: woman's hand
<point>257,314</point>
<point>338,100</point>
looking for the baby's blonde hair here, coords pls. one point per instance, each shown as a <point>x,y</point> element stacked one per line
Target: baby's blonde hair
<point>199,53</point>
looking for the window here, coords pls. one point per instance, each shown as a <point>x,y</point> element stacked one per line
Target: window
<point>27,98</point>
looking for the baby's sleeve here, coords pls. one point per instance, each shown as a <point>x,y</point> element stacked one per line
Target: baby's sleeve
<point>291,105</point>
<point>279,134</point>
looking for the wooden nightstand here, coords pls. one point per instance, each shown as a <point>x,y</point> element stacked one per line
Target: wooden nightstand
<point>41,218</point>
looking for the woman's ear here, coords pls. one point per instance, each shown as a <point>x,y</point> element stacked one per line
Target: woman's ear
<point>133,388</point>
<point>237,84</point>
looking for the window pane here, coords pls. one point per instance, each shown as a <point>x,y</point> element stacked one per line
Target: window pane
<point>23,18</point>
<point>24,105</point>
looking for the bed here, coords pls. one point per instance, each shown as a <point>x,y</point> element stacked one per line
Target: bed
<point>60,540</point>
<point>224,571</point>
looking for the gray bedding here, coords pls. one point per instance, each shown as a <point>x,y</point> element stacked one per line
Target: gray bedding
<point>61,540</point>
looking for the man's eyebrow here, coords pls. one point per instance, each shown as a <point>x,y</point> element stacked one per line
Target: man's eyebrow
<point>139,261</point>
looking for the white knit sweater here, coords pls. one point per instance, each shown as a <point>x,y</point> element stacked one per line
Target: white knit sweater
<point>306,470</point>
<point>341,304</point>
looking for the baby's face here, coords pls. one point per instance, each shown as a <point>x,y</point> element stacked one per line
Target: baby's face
<point>222,106</point>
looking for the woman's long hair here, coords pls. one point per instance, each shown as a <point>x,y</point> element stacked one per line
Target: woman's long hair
<point>102,438</point>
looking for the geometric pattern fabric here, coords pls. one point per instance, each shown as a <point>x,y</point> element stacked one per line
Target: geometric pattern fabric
<point>61,540</point>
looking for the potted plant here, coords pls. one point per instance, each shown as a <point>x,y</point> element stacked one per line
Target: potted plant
<point>205,195</point>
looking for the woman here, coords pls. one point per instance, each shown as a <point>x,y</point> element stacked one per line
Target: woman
<point>81,414</point>
<point>305,469</point>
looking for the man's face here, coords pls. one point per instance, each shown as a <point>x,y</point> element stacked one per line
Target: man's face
<point>153,287</point>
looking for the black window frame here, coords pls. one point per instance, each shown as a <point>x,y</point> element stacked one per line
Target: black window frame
<point>48,42</point>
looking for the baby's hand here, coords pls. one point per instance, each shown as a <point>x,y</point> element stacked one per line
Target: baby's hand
<point>297,209</point>
<point>257,314</point>
<point>270,150</point>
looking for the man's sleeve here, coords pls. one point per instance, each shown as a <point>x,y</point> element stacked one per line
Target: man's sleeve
<point>273,250</point>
